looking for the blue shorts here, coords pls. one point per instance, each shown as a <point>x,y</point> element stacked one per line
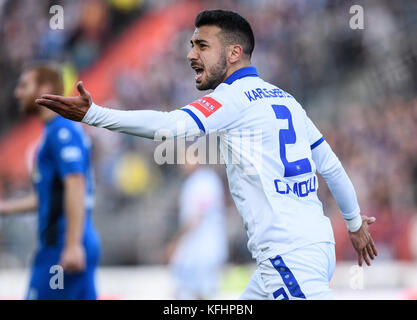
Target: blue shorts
<point>47,284</point>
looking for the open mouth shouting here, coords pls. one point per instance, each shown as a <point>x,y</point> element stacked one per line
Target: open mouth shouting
<point>199,72</point>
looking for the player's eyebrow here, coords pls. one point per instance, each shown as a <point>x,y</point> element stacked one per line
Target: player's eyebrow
<point>198,41</point>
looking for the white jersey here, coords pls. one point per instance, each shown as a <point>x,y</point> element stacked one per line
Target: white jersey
<point>271,149</point>
<point>266,143</point>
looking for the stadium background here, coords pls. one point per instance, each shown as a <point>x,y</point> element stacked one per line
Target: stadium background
<point>358,86</point>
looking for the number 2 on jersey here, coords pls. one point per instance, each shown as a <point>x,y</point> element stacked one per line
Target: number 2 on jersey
<point>287,136</point>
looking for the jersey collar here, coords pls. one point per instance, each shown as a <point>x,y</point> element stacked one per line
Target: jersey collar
<point>241,73</point>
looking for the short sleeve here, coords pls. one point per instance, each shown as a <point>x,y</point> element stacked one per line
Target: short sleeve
<point>68,151</point>
<point>213,112</point>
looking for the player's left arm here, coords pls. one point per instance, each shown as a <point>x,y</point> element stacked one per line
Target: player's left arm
<point>68,150</point>
<point>73,255</point>
<point>208,114</point>
<point>149,124</point>
<point>181,233</point>
<point>342,189</point>
<point>28,203</point>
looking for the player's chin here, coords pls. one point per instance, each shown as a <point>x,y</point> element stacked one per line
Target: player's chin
<point>29,108</point>
<point>201,85</point>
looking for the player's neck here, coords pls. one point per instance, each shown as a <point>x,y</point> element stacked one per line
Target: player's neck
<point>46,115</point>
<point>233,68</point>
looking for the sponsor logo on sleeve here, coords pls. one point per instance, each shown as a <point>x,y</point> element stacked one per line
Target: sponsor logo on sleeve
<point>207,105</point>
<point>70,154</point>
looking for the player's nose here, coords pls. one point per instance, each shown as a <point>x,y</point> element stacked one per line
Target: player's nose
<point>16,93</point>
<point>192,55</point>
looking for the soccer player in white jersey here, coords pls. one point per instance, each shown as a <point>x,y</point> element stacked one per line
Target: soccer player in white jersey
<point>198,250</point>
<point>275,187</point>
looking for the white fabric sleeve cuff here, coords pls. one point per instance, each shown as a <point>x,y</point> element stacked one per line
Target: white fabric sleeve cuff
<point>90,113</point>
<point>354,224</point>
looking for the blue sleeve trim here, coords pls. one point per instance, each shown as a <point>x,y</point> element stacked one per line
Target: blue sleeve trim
<point>317,143</point>
<point>196,119</point>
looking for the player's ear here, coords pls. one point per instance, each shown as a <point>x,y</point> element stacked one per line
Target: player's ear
<point>235,53</point>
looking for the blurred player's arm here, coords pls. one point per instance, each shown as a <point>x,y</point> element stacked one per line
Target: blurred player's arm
<point>73,255</point>
<point>143,123</point>
<point>26,204</point>
<point>181,233</point>
<point>341,187</point>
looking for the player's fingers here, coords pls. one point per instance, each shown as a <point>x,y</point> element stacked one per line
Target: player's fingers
<point>80,87</point>
<point>51,104</point>
<point>82,90</point>
<point>72,266</point>
<point>370,251</point>
<point>61,99</point>
<point>373,247</point>
<point>370,220</point>
<point>63,263</point>
<point>81,262</point>
<point>68,267</point>
<point>359,258</point>
<point>79,266</point>
<point>365,257</point>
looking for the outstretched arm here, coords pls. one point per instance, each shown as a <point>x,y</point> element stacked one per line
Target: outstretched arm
<point>144,123</point>
<point>28,203</point>
<point>329,166</point>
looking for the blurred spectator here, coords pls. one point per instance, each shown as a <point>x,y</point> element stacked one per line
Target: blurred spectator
<point>198,249</point>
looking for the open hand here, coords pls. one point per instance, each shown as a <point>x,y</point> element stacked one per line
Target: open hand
<point>73,108</point>
<point>363,242</point>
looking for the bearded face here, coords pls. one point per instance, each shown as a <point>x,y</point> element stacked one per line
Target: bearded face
<point>208,57</point>
<point>26,92</point>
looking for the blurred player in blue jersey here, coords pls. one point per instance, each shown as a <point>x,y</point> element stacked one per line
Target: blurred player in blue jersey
<point>63,197</point>
<point>278,148</point>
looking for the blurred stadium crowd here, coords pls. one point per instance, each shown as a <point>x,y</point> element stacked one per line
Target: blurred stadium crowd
<point>359,87</point>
